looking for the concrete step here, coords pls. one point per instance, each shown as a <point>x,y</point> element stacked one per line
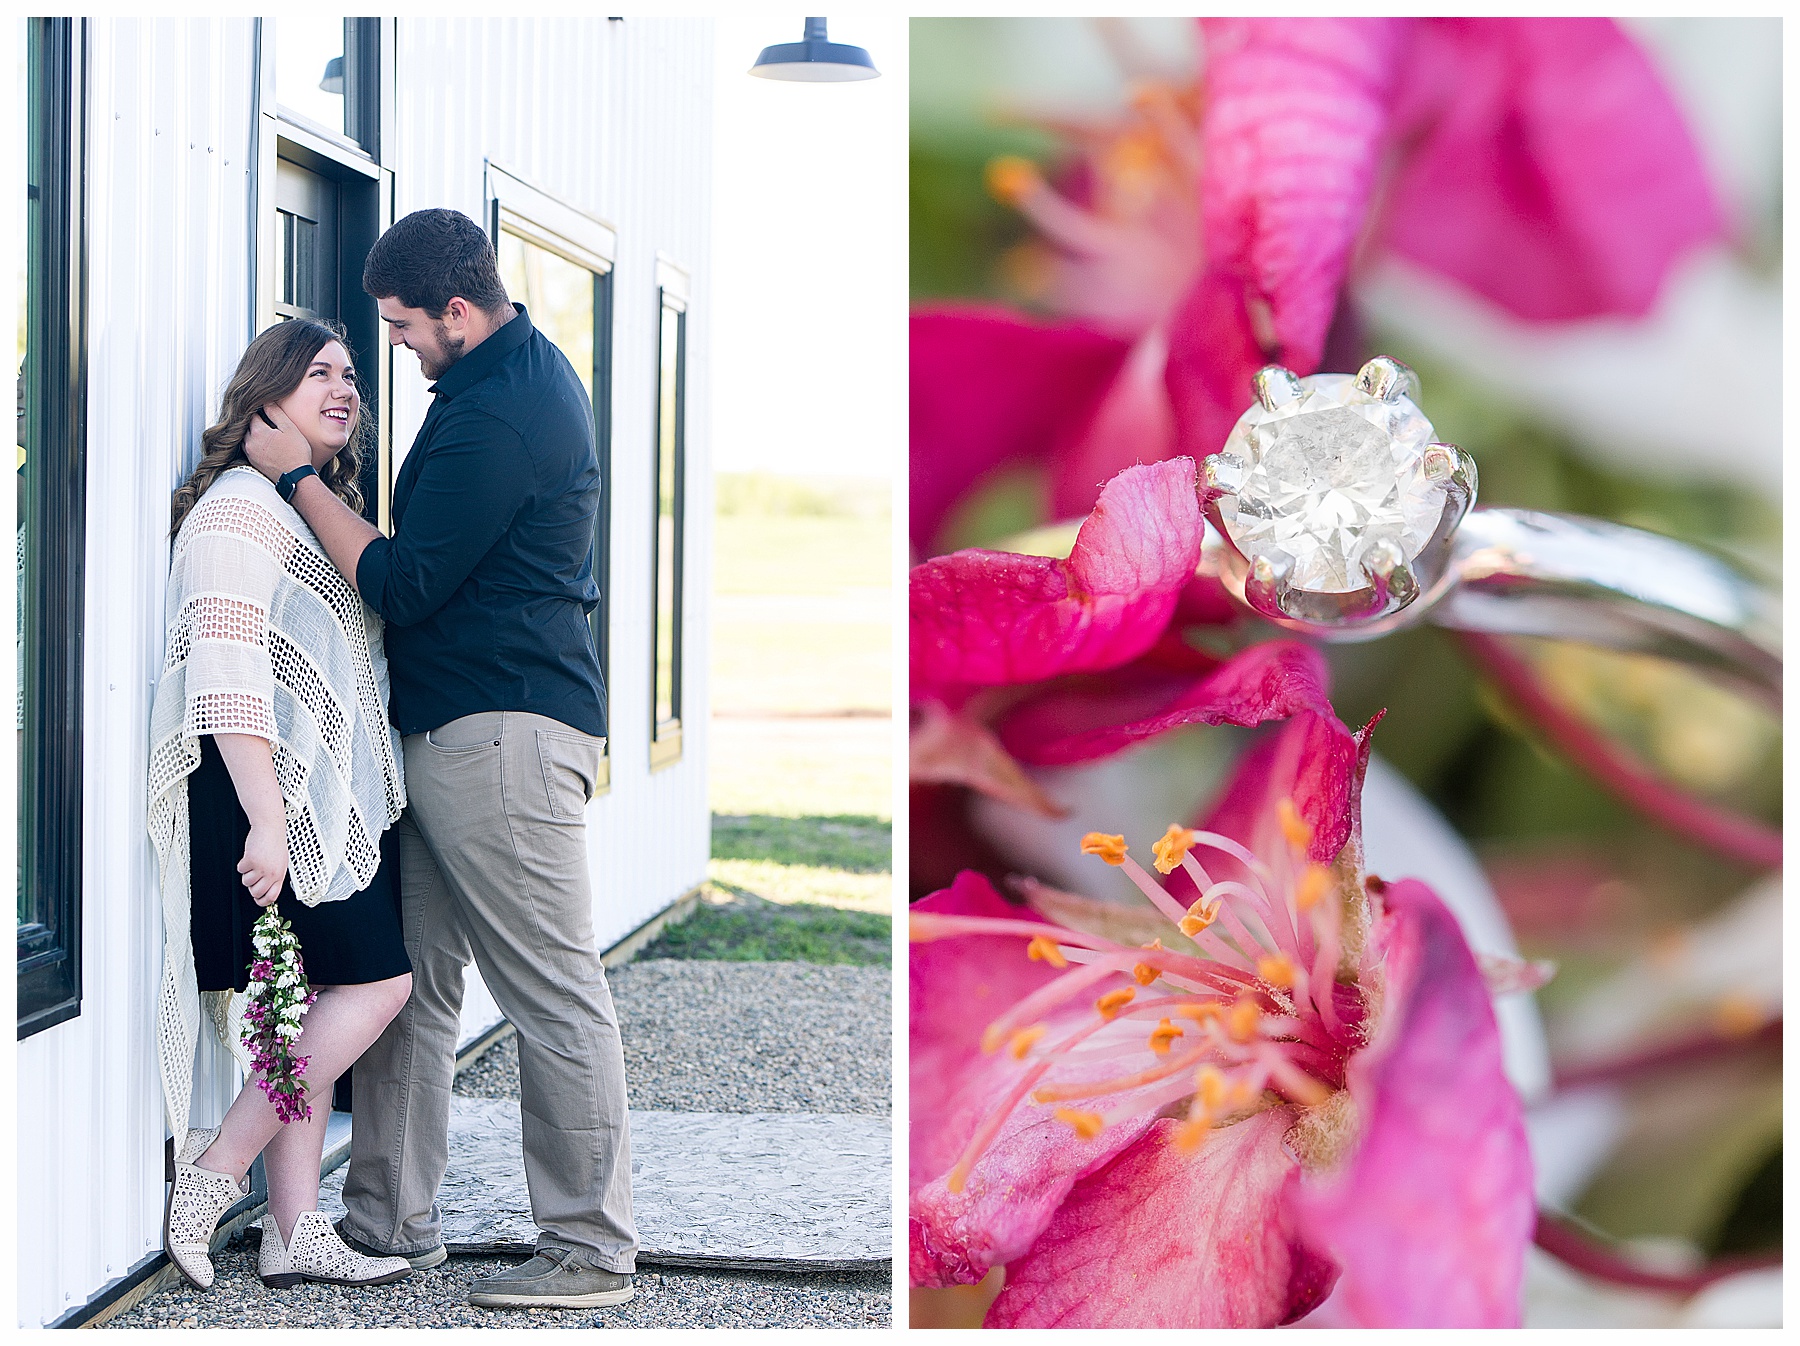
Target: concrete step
<point>764,1191</point>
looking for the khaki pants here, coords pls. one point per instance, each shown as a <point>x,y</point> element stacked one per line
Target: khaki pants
<point>493,854</point>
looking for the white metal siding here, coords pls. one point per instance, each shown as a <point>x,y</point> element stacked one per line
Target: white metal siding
<point>614,118</point>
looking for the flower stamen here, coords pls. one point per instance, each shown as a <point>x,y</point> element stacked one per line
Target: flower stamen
<point>1112,1002</point>
<point>1043,949</point>
<point>1086,1125</point>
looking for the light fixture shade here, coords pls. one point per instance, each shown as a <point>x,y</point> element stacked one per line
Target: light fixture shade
<point>814,60</point>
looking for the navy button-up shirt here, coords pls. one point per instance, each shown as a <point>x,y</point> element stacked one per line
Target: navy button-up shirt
<point>488,579</point>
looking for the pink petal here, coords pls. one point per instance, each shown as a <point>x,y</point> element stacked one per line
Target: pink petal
<point>990,388</point>
<point>1134,424</point>
<point>1162,1239</point>
<point>1556,175</point>
<point>948,747</point>
<point>985,618</point>
<point>1314,761</point>
<point>1430,1219</point>
<point>957,987</point>
<point>1270,681</point>
<point>1296,111</point>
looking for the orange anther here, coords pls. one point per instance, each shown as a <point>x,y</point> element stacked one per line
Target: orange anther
<point>1164,1036</point>
<point>1144,974</point>
<point>1087,1124</point>
<point>1736,1015</point>
<point>1042,949</point>
<point>1109,848</point>
<point>1022,1041</point>
<point>1277,971</point>
<point>1198,917</point>
<point>1315,882</point>
<point>1211,1086</point>
<point>1191,1135</point>
<point>1010,178</point>
<point>1172,849</point>
<point>1241,1020</point>
<point>1296,829</point>
<point>1114,1001</point>
<point>1200,1011</point>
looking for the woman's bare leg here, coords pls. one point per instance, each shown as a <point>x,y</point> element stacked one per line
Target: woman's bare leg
<point>338,1028</point>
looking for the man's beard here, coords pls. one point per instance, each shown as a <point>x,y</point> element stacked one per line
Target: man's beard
<point>450,350</point>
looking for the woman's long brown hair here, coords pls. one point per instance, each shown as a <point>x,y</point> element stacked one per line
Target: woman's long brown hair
<point>272,367</point>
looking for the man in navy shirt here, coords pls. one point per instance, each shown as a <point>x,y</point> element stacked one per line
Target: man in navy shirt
<point>485,587</point>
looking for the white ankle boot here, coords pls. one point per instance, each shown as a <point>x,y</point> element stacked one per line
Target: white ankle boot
<point>197,1198</point>
<point>316,1253</point>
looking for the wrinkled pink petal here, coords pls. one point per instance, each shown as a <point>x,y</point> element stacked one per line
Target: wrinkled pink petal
<point>1430,1220</point>
<point>1162,1239</point>
<point>985,618</point>
<point>1295,116</point>
<point>989,388</point>
<point>1269,681</point>
<point>1554,173</point>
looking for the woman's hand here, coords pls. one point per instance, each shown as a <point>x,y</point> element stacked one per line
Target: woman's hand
<point>265,862</point>
<point>275,447</point>
<point>251,762</point>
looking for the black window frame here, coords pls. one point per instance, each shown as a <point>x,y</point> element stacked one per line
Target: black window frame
<point>54,589</point>
<point>665,734</point>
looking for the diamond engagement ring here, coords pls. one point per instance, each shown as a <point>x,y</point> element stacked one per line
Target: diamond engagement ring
<point>1333,511</point>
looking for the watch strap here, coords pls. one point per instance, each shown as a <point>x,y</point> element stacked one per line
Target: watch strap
<point>290,481</point>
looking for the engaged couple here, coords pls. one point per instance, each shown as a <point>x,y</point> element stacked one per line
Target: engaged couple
<point>392,742</point>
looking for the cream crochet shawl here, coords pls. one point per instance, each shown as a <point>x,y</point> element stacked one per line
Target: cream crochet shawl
<point>265,637</point>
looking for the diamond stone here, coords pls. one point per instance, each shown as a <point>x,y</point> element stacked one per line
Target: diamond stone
<point>1316,483</point>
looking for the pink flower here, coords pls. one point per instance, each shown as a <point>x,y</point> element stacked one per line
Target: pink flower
<point>1005,647</point>
<point>1278,1082</point>
<point>1539,162</point>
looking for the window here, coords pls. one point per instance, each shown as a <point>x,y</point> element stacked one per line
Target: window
<point>328,76</point>
<point>670,477</point>
<point>319,170</point>
<point>558,263</point>
<point>52,480</point>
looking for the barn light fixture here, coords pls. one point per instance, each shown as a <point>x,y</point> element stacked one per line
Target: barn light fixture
<point>814,60</point>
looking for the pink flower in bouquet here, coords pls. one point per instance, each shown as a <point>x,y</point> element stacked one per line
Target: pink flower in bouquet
<point>1539,162</point>
<point>1278,1081</point>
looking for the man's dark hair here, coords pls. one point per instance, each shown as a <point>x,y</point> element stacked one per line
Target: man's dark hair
<point>432,256</point>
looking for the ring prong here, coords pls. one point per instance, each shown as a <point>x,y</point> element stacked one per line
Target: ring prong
<point>1393,577</point>
<point>1209,472</point>
<point>1276,386</point>
<point>1388,379</point>
<point>1266,587</point>
<point>1440,462</point>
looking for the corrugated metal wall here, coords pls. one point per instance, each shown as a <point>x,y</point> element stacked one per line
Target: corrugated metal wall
<point>169,136</point>
<point>613,117</point>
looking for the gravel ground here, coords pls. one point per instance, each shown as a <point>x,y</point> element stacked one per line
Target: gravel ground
<point>699,1037</point>
<point>435,1298</point>
<point>739,1037</point>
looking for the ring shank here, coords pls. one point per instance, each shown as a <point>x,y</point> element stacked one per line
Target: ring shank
<point>1528,573</point>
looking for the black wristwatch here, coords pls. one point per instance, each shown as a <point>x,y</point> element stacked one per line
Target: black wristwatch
<point>290,481</point>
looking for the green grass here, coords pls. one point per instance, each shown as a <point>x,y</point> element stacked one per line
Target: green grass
<point>735,925</point>
<point>859,843</point>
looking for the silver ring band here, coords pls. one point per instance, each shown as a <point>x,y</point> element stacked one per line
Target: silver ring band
<point>1529,573</point>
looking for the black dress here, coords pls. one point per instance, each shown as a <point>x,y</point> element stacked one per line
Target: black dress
<point>341,943</point>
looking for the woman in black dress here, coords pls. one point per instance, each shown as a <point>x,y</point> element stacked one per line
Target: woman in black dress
<point>315,717</point>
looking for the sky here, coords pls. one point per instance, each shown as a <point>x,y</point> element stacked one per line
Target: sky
<point>809,259</point>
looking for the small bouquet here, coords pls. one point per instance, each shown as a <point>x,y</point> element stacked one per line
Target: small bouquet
<point>279,998</point>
